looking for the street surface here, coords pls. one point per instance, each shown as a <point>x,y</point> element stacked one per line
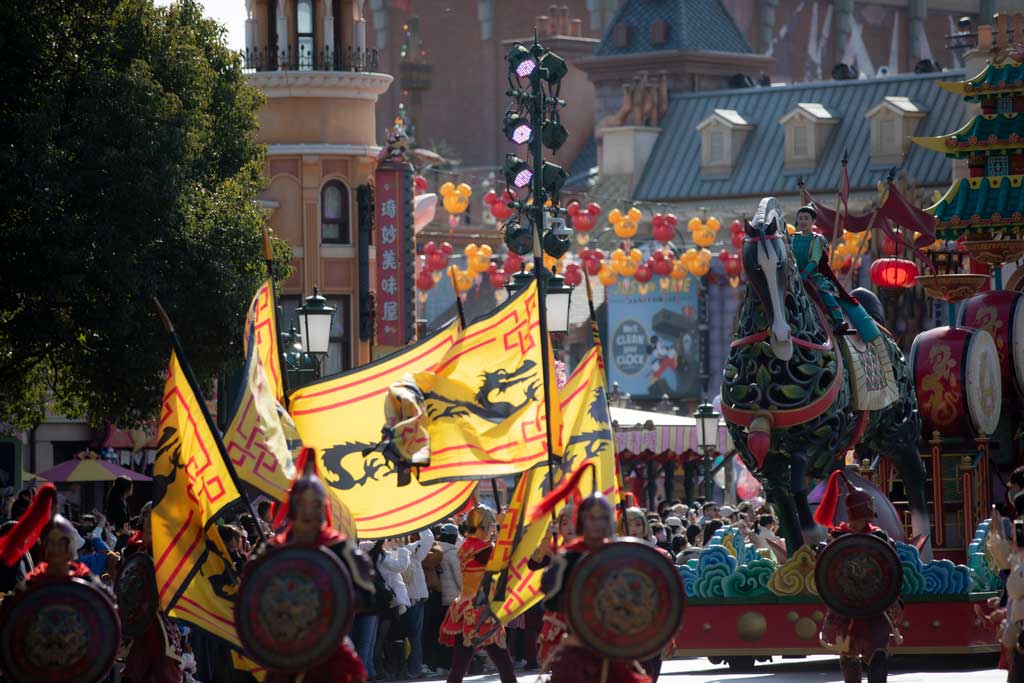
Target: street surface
<point>818,669</point>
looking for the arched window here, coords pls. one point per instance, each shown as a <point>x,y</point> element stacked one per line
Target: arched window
<point>334,214</point>
<point>304,22</point>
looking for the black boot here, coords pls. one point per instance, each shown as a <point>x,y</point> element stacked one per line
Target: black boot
<point>850,666</point>
<point>878,667</point>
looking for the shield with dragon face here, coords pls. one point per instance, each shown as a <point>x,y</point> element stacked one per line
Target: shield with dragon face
<point>858,575</point>
<point>625,600</point>
<point>295,605</point>
<point>137,598</point>
<point>60,631</point>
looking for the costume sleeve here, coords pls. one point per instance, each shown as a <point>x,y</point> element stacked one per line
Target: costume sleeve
<point>484,556</point>
<point>815,250</point>
<point>535,565</point>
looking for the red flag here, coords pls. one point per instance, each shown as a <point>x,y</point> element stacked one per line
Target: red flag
<point>902,211</point>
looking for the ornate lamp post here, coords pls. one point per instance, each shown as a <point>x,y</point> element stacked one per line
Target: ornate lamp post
<point>300,366</point>
<point>315,318</point>
<point>707,435</point>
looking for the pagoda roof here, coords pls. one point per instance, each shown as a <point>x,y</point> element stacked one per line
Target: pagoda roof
<point>985,204</point>
<point>983,133</point>
<point>995,79</point>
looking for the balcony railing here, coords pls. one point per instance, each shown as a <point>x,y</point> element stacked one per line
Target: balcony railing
<point>269,59</point>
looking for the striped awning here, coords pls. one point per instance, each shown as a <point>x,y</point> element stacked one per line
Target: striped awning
<point>638,432</point>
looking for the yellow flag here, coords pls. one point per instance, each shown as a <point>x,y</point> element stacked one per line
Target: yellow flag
<point>191,487</point>
<point>262,320</point>
<point>343,415</point>
<point>584,406</point>
<point>485,399</point>
<point>257,438</point>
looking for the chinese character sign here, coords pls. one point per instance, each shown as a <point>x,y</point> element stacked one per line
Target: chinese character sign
<point>653,341</point>
<point>396,310</point>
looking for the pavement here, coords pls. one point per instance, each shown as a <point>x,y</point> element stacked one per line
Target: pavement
<point>814,669</point>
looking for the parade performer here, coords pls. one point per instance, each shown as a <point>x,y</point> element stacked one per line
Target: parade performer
<point>156,655</point>
<point>553,625</point>
<point>810,249</point>
<point>306,516</point>
<point>573,662</point>
<point>468,625</point>
<point>862,642</point>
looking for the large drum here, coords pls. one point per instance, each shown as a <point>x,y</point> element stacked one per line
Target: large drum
<point>59,632</point>
<point>625,600</point>
<point>956,375</point>
<point>1001,314</point>
<point>295,606</point>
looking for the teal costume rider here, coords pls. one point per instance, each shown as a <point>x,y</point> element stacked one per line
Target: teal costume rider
<point>811,252</point>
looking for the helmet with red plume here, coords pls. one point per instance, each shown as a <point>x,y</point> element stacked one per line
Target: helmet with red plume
<point>307,482</point>
<point>859,504</point>
<point>564,490</point>
<point>31,525</point>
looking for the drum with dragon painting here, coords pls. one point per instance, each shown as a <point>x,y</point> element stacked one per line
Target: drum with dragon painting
<point>1001,314</point>
<point>957,376</point>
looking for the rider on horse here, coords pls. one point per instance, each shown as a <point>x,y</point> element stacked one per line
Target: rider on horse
<point>811,252</point>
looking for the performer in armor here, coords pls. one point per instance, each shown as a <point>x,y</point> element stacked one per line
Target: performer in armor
<point>156,655</point>
<point>553,625</point>
<point>573,662</point>
<point>637,525</point>
<point>307,517</point>
<point>810,249</point>
<point>861,642</point>
<point>468,625</point>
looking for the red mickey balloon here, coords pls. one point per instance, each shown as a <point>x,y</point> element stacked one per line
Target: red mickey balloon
<point>497,278</point>
<point>643,274</point>
<point>429,248</point>
<point>593,266</point>
<point>736,226</point>
<point>573,275</point>
<point>446,247</point>
<point>733,267</point>
<point>663,266</point>
<point>737,240</point>
<point>513,262</point>
<point>437,260</point>
<point>424,281</point>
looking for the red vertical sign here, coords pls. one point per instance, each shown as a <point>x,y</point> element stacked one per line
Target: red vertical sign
<point>393,238</point>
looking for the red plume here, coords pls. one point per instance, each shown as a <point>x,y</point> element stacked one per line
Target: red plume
<point>560,493</point>
<point>305,466</point>
<point>30,526</point>
<point>826,512</point>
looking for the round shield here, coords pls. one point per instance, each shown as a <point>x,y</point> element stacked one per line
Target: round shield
<point>137,599</point>
<point>858,575</point>
<point>294,607</point>
<point>58,631</point>
<point>625,600</point>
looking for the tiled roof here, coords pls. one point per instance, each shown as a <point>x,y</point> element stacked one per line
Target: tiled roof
<point>983,133</point>
<point>583,165</point>
<point>980,205</point>
<point>693,25</point>
<point>994,79</point>
<point>673,171</point>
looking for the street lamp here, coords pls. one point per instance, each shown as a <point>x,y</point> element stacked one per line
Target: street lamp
<point>300,366</point>
<point>315,323</point>
<point>707,439</point>
<point>558,300</point>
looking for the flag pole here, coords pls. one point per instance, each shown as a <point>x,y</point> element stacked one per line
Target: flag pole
<point>193,383</point>
<point>268,257</point>
<point>462,321</point>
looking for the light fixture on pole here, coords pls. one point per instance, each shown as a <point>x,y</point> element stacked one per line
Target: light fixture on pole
<point>557,302</point>
<point>517,172</point>
<point>517,128</point>
<point>521,61</point>
<point>300,366</point>
<point>707,439</point>
<point>315,323</point>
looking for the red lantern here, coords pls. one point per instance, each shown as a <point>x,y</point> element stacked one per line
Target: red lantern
<point>894,272</point>
<point>424,281</point>
<point>573,275</point>
<point>890,247</point>
<point>513,262</point>
<point>643,274</point>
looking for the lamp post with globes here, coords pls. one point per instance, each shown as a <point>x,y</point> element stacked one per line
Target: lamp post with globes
<point>707,438</point>
<point>534,79</point>
<point>315,318</point>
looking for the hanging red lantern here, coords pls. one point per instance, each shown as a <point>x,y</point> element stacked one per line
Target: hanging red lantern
<point>894,272</point>
<point>424,281</point>
<point>890,246</point>
<point>573,275</point>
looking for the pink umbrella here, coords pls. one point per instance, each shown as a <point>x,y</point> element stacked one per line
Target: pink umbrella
<point>86,466</point>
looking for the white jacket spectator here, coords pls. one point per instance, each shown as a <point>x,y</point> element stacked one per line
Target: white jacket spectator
<point>450,574</point>
<point>415,581</point>
<point>392,563</point>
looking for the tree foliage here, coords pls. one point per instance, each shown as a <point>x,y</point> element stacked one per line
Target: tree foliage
<point>130,170</point>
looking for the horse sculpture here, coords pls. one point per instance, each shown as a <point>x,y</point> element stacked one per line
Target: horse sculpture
<point>787,395</point>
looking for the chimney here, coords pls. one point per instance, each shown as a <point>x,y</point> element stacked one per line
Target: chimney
<point>576,28</point>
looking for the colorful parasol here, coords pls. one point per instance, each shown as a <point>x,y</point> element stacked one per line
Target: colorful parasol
<point>28,476</point>
<point>87,466</point>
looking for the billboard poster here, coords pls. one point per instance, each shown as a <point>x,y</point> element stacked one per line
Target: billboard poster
<point>653,345</point>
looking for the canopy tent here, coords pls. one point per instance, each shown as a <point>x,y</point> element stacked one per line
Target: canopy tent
<point>28,476</point>
<point>644,435</point>
<point>86,466</point>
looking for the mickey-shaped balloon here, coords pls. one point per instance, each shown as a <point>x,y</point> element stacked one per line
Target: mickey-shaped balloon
<point>663,227</point>
<point>456,198</point>
<point>625,225</point>
<point>463,280</point>
<point>584,219</point>
<point>498,204</point>
<point>703,233</point>
<point>424,281</point>
<point>607,276</point>
<point>573,275</point>
<point>631,264</point>
<point>679,270</point>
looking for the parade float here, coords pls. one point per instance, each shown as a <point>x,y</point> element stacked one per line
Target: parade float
<point>964,379</point>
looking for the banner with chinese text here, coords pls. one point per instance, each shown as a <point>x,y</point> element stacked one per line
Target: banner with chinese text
<point>393,239</point>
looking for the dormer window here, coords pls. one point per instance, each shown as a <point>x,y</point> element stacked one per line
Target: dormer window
<point>722,136</point>
<point>807,127</point>
<point>893,122</point>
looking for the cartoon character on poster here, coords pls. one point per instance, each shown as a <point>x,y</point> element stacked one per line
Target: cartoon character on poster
<point>664,359</point>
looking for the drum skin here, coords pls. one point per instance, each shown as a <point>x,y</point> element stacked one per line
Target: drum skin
<point>858,575</point>
<point>1001,314</point>
<point>957,378</point>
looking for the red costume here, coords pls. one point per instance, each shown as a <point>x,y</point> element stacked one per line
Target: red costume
<point>343,665</point>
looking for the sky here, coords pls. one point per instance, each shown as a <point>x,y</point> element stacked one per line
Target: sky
<point>229,13</point>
